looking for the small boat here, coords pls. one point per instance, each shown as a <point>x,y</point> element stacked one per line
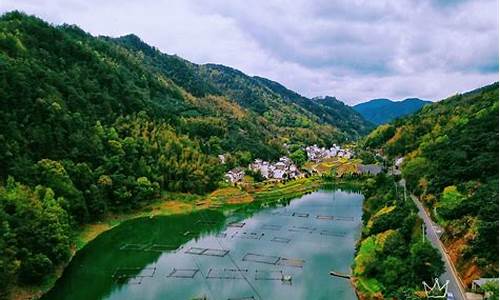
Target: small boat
<point>286,279</point>
<point>338,274</point>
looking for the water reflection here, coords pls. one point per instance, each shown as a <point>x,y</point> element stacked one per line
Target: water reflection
<point>306,248</point>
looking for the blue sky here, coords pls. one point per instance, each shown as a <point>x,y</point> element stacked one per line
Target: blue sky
<point>352,49</point>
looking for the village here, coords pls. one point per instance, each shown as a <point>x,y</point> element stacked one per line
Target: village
<point>285,168</point>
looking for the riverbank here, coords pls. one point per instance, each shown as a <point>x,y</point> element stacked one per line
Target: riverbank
<point>224,198</point>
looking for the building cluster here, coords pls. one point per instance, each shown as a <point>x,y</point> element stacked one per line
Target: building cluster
<point>282,169</point>
<point>316,154</point>
<point>235,175</point>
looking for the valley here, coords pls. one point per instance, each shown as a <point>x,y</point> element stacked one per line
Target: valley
<point>129,173</point>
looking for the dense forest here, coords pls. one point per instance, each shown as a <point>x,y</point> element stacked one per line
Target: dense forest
<point>450,152</point>
<point>92,125</point>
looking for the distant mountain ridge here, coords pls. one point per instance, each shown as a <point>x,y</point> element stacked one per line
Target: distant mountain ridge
<point>380,111</point>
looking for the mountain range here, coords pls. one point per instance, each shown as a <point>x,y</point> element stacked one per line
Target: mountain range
<point>380,111</point>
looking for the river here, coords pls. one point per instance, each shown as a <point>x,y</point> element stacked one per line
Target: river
<point>247,253</point>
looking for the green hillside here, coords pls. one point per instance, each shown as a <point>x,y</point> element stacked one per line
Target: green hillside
<point>262,96</point>
<point>96,125</point>
<point>451,163</point>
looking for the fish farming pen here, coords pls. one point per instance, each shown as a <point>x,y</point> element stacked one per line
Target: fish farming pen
<point>226,273</point>
<point>259,258</point>
<point>323,217</point>
<point>236,224</point>
<point>207,251</point>
<point>282,213</point>
<point>206,222</point>
<point>272,227</point>
<point>244,298</point>
<point>274,260</point>
<point>160,248</point>
<point>303,229</point>
<point>130,276</point>
<point>300,215</point>
<point>332,233</point>
<point>134,247</point>
<point>183,273</point>
<point>268,275</point>
<point>351,219</point>
<point>248,235</point>
<point>291,262</point>
<point>282,240</point>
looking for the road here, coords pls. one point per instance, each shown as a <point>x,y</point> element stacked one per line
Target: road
<point>450,273</point>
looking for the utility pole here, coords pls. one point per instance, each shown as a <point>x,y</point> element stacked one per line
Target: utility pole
<point>423,232</point>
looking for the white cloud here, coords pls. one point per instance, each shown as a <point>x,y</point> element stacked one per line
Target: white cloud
<point>353,49</point>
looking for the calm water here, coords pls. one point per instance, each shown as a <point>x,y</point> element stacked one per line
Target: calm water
<point>239,256</point>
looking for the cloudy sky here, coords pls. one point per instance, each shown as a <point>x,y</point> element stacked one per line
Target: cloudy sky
<point>353,49</point>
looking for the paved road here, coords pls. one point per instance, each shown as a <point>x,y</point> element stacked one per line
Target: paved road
<point>450,273</point>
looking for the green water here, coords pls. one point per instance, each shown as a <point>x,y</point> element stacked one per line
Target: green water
<point>142,253</point>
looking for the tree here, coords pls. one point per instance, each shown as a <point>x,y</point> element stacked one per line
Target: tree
<point>425,262</point>
<point>299,157</point>
<point>414,170</point>
<point>35,268</point>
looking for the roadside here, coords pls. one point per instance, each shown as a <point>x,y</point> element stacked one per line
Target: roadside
<point>455,284</point>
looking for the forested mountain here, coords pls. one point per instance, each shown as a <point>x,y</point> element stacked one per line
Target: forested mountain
<point>381,111</point>
<point>327,109</point>
<point>260,95</point>
<point>451,163</point>
<point>92,125</point>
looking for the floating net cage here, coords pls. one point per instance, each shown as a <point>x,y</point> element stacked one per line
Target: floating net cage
<point>324,217</point>
<point>242,298</point>
<point>236,224</point>
<point>161,248</point>
<point>248,235</point>
<point>131,275</point>
<point>207,251</point>
<point>226,273</point>
<point>303,229</point>
<point>282,240</point>
<point>351,219</point>
<point>332,233</point>
<point>291,262</point>
<point>135,247</point>
<point>282,213</point>
<point>206,222</point>
<point>150,247</point>
<point>268,275</point>
<point>274,260</point>
<point>300,215</point>
<point>259,258</point>
<point>189,233</point>
<point>183,273</point>
<point>272,227</point>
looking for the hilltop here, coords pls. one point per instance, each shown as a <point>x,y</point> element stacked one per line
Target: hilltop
<point>381,111</point>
